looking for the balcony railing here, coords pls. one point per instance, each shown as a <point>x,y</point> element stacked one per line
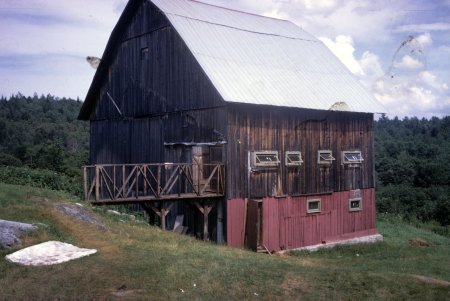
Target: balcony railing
<point>123,183</point>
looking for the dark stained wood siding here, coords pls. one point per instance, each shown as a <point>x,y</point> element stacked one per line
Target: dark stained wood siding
<point>259,128</point>
<point>163,94</point>
<point>165,79</point>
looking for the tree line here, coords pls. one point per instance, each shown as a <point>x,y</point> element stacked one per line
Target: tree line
<point>412,163</point>
<point>42,143</point>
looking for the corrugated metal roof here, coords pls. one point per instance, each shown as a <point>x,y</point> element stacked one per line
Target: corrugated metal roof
<point>261,60</point>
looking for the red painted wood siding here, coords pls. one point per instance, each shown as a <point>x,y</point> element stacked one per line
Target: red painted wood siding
<point>287,225</point>
<point>235,222</point>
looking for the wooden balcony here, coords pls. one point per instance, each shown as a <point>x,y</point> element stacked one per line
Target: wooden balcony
<point>135,183</point>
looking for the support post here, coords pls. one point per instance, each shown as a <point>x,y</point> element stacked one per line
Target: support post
<point>163,216</point>
<point>161,212</point>
<point>164,211</point>
<point>220,239</point>
<point>205,210</point>
<point>85,183</point>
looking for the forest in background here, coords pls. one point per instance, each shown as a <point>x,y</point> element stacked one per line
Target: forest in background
<point>43,144</point>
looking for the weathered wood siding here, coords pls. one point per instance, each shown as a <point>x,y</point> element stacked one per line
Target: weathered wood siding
<point>162,92</point>
<point>260,128</point>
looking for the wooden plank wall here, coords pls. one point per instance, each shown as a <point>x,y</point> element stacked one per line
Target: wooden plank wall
<point>164,79</point>
<point>287,225</point>
<point>256,128</point>
<point>164,97</point>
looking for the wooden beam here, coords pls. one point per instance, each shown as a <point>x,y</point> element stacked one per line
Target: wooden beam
<point>150,209</point>
<point>85,183</point>
<point>97,182</point>
<point>164,211</point>
<point>205,209</point>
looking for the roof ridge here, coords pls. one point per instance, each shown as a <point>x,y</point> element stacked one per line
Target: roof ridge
<point>235,10</point>
<point>243,29</point>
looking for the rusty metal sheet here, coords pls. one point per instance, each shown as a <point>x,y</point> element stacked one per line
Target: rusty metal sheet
<point>287,225</point>
<point>236,222</point>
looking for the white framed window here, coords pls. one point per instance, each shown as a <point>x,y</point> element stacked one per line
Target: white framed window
<point>313,206</point>
<point>265,158</point>
<point>352,157</point>
<point>293,158</point>
<point>325,157</point>
<point>355,204</point>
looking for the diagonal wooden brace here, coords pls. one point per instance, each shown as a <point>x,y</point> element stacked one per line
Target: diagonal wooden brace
<point>162,212</point>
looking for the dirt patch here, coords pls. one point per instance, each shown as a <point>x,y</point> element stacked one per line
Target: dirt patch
<point>419,242</point>
<point>430,280</point>
<point>81,214</point>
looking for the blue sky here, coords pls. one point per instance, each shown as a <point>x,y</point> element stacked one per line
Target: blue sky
<point>399,50</point>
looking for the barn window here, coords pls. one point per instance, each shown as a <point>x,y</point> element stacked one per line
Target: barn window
<point>293,159</point>
<point>265,158</point>
<point>355,204</point>
<point>144,54</point>
<point>325,157</point>
<point>313,206</point>
<point>352,157</point>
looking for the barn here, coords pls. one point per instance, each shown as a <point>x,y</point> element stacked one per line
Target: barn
<point>230,126</point>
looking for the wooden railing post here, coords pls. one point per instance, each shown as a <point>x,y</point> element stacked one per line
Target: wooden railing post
<point>97,183</point>
<point>158,181</point>
<point>198,179</point>
<point>123,180</point>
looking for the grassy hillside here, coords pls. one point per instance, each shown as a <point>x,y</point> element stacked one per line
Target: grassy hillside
<point>140,262</point>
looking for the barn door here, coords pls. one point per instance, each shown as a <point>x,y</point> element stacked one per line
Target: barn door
<point>253,225</point>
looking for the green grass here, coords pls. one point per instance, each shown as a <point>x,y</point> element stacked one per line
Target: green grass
<point>155,265</point>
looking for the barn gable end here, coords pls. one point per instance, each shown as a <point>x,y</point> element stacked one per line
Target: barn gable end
<point>153,92</point>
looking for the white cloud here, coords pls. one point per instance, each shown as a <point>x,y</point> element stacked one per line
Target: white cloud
<point>352,18</point>
<point>444,48</point>
<point>431,80</point>
<point>367,68</point>
<point>423,27</point>
<point>317,4</point>
<point>408,62</point>
<point>343,48</point>
<point>370,64</point>
<point>425,39</point>
<point>421,95</point>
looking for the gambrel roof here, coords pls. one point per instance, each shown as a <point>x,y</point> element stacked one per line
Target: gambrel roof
<point>255,59</point>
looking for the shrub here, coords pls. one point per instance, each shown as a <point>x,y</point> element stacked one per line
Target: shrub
<point>41,178</point>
